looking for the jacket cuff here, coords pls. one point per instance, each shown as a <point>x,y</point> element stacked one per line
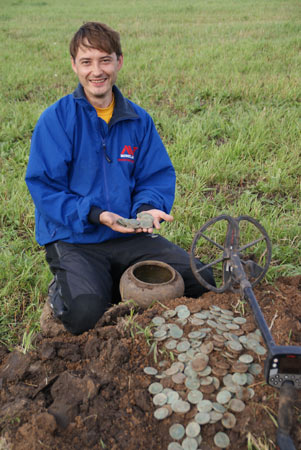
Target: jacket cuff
<point>93,216</point>
<point>144,207</point>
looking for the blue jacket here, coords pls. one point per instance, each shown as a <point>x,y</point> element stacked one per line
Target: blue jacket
<point>78,164</point>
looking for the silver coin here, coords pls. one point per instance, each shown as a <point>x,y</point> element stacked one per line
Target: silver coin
<point>174,446</point>
<point>239,320</point>
<point>161,413</point>
<point>178,378</point>
<point>193,429</point>
<point>189,444</point>
<point>181,307</point>
<point>176,332</point>
<point>215,416</point>
<point>160,399</point>
<point>182,357</point>
<point>255,369</point>
<point>150,370</point>
<point>196,321</point>
<point>240,378</point>
<point>212,323</point>
<point>189,372</point>
<point>232,326</point>
<point>221,440</point>
<point>204,406</point>
<point>223,397</point>
<point>177,431</point>
<point>260,350</point>
<point>207,348</point>
<point>180,406</point>
<point>205,381</point>
<point>194,334</point>
<point>171,344</point>
<point>195,396</point>
<point>204,373</point>
<point>218,407</point>
<point>183,346</point>
<point>202,418</point>
<point>192,383</point>
<point>158,321</point>
<point>234,346</point>
<point>169,313</point>
<point>155,388</point>
<point>245,358</point>
<point>250,378</point>
<point>160,334</point>
<point>236,405</point>
<point>227,379</point>
<point>183,314</point>
<point>229,420</point>
<point>172,397</point>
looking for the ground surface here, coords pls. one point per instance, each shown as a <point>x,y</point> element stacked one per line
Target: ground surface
<point>90,392</point>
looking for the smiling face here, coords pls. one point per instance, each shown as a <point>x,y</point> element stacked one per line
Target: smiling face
<point>97,72</point>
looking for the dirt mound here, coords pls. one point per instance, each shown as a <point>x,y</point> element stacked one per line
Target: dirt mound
<point>90,391</point>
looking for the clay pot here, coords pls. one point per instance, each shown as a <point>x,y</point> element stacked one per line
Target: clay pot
<point>149,281</point>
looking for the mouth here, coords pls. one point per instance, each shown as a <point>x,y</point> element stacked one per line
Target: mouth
<point>98,81</point>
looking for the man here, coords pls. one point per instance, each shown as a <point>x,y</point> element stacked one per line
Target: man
<point>97,161</point>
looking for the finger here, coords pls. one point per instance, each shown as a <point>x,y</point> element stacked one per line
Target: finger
<point>157,224</point>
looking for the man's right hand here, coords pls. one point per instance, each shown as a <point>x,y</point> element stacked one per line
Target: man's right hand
<point>110,220</point>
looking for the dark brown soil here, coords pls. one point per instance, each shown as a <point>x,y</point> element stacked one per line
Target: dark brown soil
<point>90,391</point>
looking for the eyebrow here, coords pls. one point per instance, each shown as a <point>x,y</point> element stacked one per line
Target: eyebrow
<point>87,58</point>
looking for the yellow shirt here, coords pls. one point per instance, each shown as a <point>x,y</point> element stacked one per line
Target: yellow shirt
<point>106,113</point>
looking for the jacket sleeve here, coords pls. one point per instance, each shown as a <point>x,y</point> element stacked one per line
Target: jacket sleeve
<point>154,173</point>
<point>47,175</point>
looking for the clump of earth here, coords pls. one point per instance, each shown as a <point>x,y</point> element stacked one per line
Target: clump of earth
<point>94,391</point>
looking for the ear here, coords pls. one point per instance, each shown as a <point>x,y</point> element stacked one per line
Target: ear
<point>119,62</point>
<point>73,64</point>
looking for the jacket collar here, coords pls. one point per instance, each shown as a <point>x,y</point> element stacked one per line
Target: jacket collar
<point>123,109</point>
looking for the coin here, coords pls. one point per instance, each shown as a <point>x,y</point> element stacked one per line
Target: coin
<point>189,444</point>
<point>150,370</point>
<point>204,406</point>
<point>155,388</point>
<point>228,420</point>
<point>194,396</point>
<point>236,405</point>
<point>223,397</point>
<point>178,378</point>
<point>158,320</point>
<point>176,431</point>
<point>221,440</point>
<point>240,378</point>
<point>161,413</point>
<point>239,367</point>
<point>160,399</point>
<point>199,363</point>
<point>245,358</point>
<point>193,429</point>
<point>206,348</point>
<point>174,446</point>
<point>202,418</point>
<point>180,407</point>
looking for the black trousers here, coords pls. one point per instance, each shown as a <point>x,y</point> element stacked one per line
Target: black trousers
<point>87,275</point>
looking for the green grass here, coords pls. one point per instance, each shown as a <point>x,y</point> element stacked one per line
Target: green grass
<point>222,82</point>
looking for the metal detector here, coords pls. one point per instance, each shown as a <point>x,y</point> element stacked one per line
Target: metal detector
<point>240,261</point>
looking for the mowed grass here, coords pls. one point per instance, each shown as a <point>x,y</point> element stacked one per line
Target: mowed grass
<point>222,82</point>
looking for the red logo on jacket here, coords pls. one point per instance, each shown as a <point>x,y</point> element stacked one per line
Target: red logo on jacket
<point>127,153</point>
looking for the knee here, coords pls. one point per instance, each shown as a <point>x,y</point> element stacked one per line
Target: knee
<point>83,313</point>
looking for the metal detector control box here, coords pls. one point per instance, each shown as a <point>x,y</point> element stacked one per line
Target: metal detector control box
<point>283,364</point>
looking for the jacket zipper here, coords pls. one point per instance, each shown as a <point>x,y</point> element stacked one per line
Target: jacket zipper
<point>105,172</point>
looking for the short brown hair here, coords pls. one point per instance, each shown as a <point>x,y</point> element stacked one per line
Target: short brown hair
<point>99,36</point>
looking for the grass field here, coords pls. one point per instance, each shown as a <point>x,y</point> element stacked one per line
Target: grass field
<point>222,82</point>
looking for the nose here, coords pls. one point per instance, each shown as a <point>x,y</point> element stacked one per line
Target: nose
<point>97,68</point>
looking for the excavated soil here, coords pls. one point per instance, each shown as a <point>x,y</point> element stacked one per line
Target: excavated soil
<point>90,391</point>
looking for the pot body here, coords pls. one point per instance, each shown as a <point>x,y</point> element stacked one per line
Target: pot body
<point>149,281</point>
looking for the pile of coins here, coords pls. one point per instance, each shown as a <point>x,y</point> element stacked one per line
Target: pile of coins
<point>211,376</point>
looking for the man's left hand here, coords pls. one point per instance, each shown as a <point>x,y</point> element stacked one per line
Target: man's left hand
<point>157,215</point>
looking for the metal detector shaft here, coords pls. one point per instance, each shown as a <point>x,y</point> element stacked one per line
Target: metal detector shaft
<point>248,293</point>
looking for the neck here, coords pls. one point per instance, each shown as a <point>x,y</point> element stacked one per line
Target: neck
<point>100,102</point>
